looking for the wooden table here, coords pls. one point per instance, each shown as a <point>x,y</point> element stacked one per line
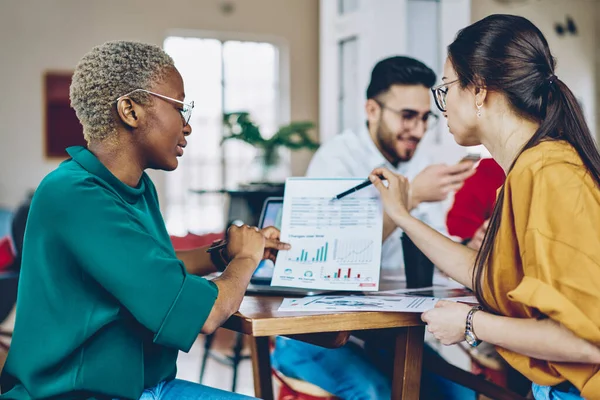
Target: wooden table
<point>259,319</point>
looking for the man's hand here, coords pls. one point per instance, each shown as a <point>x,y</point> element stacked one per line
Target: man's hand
<point>435,182</point>
<point>272,243</point>
<point>477,240</point>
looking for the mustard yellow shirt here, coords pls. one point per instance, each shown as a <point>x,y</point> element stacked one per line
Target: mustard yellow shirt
<point>546,258</point>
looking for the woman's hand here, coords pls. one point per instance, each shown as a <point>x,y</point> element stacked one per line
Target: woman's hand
<point>447,321</point>
<point>395,196</point>
<point>245,242</point>
<point>272,243</point>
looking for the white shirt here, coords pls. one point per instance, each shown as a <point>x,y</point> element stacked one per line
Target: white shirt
<point>355,155</point>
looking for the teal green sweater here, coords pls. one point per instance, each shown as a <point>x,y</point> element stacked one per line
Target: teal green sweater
<point>104,305</point>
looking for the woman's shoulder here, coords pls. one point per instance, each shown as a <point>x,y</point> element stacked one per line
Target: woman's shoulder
<point>68,180</point>
<point>546,159</point>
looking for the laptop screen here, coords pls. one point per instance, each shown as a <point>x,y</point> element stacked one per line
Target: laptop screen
<point>270,216</point>
<point>271,213</point>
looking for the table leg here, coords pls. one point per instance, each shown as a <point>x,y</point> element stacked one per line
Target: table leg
<point>408,360</point>
<point>261,366</point>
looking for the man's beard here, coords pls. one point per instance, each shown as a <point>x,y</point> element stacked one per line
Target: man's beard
<point>387,144</point>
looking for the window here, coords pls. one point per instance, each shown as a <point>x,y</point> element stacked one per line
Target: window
<point>348,112</point>
<point>220,76</point>
<point>347,6</point>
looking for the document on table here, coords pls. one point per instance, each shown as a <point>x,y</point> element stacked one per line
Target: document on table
<point>359,303</point>
<point>336,244</point>
<point>462,295</point>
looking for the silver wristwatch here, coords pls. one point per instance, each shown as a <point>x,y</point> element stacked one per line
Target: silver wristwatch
<point>470,336</point>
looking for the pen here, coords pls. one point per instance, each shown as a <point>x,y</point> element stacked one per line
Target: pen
<point>354,189</point>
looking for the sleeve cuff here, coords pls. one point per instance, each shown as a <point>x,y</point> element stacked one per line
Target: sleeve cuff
<point>188,313</point>
<point>549,301</point>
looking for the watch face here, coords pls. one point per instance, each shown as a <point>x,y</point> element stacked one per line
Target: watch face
<point>471,339</point>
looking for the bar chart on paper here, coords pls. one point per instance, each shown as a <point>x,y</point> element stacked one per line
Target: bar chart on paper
<point>335,244</point>
<point>343,251</point>
<point>310,256</point>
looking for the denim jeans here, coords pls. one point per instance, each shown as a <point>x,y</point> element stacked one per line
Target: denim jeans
<point>549,393</point>
<point>349,373</point>
<point>183,390</point>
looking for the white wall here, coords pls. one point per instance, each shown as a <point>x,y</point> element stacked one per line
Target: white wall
<point>432,27</point>
<point>37,35</point>
<point>576,55</point>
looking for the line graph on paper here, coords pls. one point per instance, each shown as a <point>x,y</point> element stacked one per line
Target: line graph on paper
<point>353,251</point>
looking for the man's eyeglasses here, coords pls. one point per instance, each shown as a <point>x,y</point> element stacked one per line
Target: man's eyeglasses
<point>411,118</point>
<point>439,94</point>
<point>185,111</point>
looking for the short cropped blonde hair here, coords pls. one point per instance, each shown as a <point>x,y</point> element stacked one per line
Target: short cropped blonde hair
<point>109,71</point>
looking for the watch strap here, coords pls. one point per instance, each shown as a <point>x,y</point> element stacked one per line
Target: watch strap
<point>218,254</point>
<point>469,325</point>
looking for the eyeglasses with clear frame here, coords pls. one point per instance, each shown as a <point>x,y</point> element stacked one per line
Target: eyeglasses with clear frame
<point>410,118</point>
<point>439,94</point>
<point>186,111</point>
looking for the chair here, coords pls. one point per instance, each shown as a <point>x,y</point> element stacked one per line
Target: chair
<point>477,383</point>
<point>8,297</point>
<point>17,230</point>
<point>9,277</point>
<point>7,255</point>
<point>232,360</point>
<point>8,288</point>
<point>487,363</point>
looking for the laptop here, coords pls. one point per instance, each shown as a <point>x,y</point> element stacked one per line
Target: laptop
<point>260,283</point>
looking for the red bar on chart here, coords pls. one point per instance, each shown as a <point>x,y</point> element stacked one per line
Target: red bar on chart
<point>349,269</point>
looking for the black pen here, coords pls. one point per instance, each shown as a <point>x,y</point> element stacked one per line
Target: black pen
<point>354,189</point>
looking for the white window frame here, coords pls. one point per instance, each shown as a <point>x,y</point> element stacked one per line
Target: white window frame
<point>283,96</point>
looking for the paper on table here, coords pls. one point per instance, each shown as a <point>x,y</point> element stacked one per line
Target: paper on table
<point>359,303</point>
<point>462,295</point>
<point>336,245</point>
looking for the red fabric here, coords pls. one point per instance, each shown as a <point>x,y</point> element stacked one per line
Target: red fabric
<point>474,202</point>
<point>192,241</point>
<point>7,256</point>
<point>287,393</point>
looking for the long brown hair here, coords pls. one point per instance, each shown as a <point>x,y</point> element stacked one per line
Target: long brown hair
<point>510,55</point>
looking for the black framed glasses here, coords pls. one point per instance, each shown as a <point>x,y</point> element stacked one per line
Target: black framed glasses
<point>410,118</point>
<point>185,111</point>
<point>439,94</point>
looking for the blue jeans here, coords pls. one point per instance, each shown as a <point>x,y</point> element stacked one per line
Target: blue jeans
<point>548,393</point>
<point>183,390</point>
<point>348,372</point>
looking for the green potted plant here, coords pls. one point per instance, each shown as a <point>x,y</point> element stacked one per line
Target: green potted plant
<point>293,136</point>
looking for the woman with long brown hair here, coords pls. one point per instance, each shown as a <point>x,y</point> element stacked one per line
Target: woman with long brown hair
<point>537,275</point>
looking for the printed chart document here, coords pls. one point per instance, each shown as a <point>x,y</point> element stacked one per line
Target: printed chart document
<point>462,295</point>
<point>359,303</point>
<point>336,245</point>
